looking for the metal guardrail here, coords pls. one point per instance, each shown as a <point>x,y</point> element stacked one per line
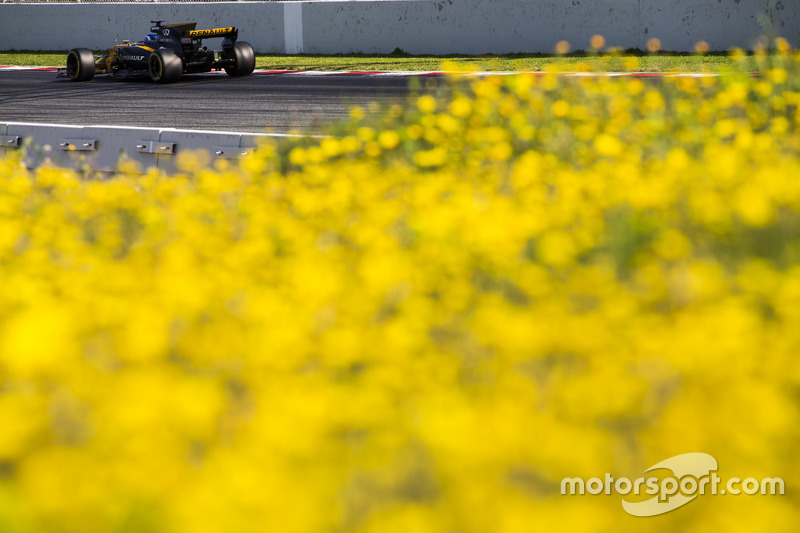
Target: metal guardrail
<point>99,148</point>
<point>137,1</point>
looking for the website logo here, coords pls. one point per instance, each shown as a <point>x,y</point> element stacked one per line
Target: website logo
<point>692,475</point>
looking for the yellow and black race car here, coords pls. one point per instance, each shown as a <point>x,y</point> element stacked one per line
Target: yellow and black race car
<point>165,54</point>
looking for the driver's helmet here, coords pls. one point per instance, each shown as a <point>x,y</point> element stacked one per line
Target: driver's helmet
<point>151,37</point>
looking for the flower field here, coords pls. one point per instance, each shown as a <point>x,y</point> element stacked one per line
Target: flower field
<point>423,322</point>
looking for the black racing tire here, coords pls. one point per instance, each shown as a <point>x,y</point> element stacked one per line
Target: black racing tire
<point>244,59</point>
<point>80,64</point>
<point>165,66</point>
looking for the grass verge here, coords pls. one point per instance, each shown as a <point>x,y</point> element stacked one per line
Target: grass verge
<point>660,62</point>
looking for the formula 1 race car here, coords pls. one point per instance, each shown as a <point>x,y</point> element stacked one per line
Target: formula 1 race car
<point>166,53</point>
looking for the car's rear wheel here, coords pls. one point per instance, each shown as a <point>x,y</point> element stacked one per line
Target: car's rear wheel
<point>244,59</point>
<point>80,64</point>
<point>165,66</point>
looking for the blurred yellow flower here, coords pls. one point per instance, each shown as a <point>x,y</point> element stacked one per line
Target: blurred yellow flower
<point>423,321</point>
<point>597,42</point>
<point>562,47</point>
<point>426,103</point>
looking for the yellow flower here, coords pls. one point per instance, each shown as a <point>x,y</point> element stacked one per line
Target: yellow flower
<point>562,47</point>
<point>560,108</point>
<point>597,42</point>
<point>608,145</point>
<point>753,205</point>
<point>577,267</point>
<point>557,248</point>
<point>426,104</point>
<point>672,244</point>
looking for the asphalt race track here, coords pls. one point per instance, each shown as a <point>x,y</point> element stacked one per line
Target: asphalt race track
<point>262,102</point>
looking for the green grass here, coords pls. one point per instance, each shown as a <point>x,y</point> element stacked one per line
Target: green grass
<point>505,63</point>
<point>662,62</point>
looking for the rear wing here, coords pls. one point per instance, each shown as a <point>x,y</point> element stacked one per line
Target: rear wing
<point>229,33</point>
<point>187,30</point>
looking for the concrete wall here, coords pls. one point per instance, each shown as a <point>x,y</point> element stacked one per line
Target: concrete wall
<point>415,26</point>
<point>467,26</point>
<point>100,25</point>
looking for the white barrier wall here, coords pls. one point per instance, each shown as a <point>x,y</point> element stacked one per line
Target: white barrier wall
<point>415,26</point>
<point>534,26</point>
<point>100,25</point>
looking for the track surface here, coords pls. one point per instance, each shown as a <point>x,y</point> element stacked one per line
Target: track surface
<point>279,103</point>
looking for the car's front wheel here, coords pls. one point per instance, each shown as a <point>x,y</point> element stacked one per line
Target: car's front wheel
<point>165,66</point>
<point>80,64</point>
<point>244,59</point>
